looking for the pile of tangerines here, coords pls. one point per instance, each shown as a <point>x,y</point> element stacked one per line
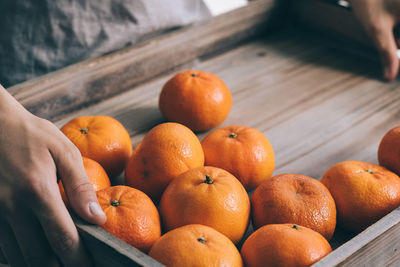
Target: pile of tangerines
<point>201,188</point>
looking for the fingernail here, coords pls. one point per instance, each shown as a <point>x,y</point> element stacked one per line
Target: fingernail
<point>95,209</point>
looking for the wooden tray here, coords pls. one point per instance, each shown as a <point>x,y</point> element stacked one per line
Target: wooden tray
<point>316,101</point>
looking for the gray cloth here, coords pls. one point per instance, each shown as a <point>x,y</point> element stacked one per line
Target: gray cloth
<point>39,36</point>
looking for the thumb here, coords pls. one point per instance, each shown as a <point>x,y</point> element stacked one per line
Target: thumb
<point>79,189</point>
<point>386,45</point>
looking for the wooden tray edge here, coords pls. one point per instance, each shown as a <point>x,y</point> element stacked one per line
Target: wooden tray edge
<point>363,242</point>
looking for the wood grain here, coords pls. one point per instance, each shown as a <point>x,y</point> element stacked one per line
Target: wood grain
<point>93,80</point>
<point>107,250</point>
<point>378,245</point>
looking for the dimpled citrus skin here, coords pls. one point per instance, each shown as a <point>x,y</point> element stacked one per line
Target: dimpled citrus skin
<point>223,204</point>
<point>135,219</point>
<point>294,198</point>
<point>101,138</point>
<point>195,245</point>
<point>363,192</point>
<point>243,151</point>
<point>284,245</point>
<point>389,150</point>
<point>96,174</point>
<point>197,99</point>
<point>167,150</point>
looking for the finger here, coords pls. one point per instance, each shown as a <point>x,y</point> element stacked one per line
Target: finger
<point>27,229</point>
<point>9,246</point>
<point>59,228</point>
<point>386,45</point>
<point>79,189</point>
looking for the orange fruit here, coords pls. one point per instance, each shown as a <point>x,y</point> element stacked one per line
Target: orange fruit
<point>96,174</point>
<point>131,216</point>
<point>284,245</point>
<point>363,192</point>
<point>294,198</point>
<point>195,245</point>
<point>208,196</point>
<point>197,99</point>
<point>168,150</point>
<point>243,151</point>
<point>389,150</point>
<point>102,139</point>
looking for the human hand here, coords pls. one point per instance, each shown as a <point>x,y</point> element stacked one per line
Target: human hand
<point>35,226</point>
<point>379,17</point>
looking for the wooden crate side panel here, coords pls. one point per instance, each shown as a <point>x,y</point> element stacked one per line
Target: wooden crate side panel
<point>107,250</point>
<point>378,245</point>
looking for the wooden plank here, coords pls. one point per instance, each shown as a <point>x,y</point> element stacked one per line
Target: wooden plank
<point>378,245</point>
<point>107,250</point>
<point>96,79</point>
